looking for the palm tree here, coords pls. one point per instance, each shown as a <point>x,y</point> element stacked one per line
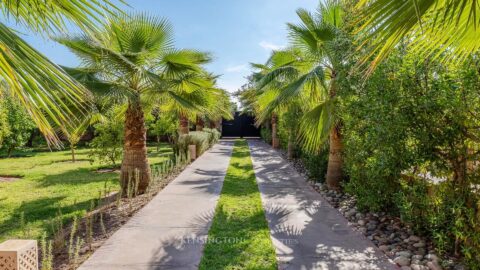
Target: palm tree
<point>132,61</point>
<point>50,96</point>
<point>309,69</point>
<point>262,99</point>
<point>200,89</point>
<point>432,26</point>
<point>219,108</point>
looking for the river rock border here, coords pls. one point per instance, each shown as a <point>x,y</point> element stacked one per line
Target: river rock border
<point>395,238</point>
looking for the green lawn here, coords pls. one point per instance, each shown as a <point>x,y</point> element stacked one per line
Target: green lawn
<point>51,182</point>
<point>239,237</point>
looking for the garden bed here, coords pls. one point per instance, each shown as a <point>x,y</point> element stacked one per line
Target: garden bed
<point>392,236</point>
<point>98,225</point>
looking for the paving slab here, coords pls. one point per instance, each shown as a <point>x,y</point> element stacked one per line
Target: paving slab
<point>169,233</point>
<point>306,231</point>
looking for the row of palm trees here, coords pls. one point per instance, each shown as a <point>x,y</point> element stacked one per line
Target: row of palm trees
<point>128,61</point>
<point>131,59</point>
<point>305,76</point>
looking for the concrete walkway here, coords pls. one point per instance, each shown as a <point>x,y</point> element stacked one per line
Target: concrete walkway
<point>169,232</point>
<point>306,231</point>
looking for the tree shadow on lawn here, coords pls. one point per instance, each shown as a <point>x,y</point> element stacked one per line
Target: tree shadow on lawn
<point>162,151</point>
<point>76,177</point>
<point>43,209</point>
<point>18,153</point>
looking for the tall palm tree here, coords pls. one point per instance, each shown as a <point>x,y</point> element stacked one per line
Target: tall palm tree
<point>216,106</point>
<point>50,96</point>
<point>132,61</point>
<point>432,26</point>
<point>219,108</point>
<point>200,89</point>
<point>309,68</point>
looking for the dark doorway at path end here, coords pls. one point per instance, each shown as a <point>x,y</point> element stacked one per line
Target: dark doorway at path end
<point>241,126</point>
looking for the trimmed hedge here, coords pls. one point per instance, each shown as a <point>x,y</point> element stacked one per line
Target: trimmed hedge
<point>203,140</point>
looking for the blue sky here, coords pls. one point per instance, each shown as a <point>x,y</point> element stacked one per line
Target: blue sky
<point>236,32</point>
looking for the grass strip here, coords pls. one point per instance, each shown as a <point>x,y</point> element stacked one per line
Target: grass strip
<point>239,237</point>
<point>50,184</point>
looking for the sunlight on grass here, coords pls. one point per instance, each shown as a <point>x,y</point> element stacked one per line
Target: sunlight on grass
<point>51,183</point>
<point>239,237</point>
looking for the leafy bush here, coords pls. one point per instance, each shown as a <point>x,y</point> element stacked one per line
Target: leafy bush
<point>162,125</point>
<point>288,125</point>
<point>214,135</point>
<point>107,146</point>
<point>411,118</point>
<point>4,127</point>
<point>203,140</point>
<point>316,164</point>
<point>266,134</point>
<point>443,214</point>
<point>17,123</point>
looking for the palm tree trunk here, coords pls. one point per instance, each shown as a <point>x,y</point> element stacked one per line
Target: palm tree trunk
<point>200,124</point>
<point>218,125</point>
<point>135,169</point>
<point>290,147</point>
<point>275,140</point>
<point>183,129</point>
<point>72,150</point>
<point>211,124</point>
<point>335,162</point>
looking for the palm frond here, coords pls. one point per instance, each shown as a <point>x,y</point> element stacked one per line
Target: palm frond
<point>54,15</point>
<point>313,81</point>
<point>433,26</point>
<point>316,124</point>
<point>133,58</point>
<point>177,62</point>
<point>50,95</point>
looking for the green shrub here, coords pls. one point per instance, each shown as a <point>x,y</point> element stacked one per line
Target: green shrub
<point>444,214</point>
<point>4,127</point>
<point>16,123</point>
<point>315,164</point>
<point>107,146</point>
<point>266,134</point>
<point>164,124</point>
<point>414,117</point>
<point>214,135</point>
<point>203,140</point>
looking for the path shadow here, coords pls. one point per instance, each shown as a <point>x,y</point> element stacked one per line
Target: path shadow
<point>185,251</point>
<point>223,148</point>
<point>310,234</point>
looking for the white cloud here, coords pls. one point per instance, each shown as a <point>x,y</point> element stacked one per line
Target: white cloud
<point>231,84</point>
<point>270,46</point>
<point>237,68</point>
